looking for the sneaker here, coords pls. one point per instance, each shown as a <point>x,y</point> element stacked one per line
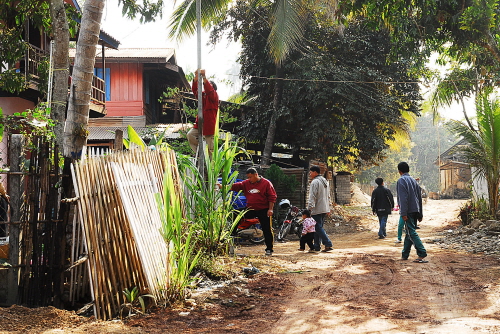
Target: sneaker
<point>327,249</point>
<point>381,237</point>
<point>301,250</point>
<point>313,251</point>
<point>398,242</point>
<point>269,252</point>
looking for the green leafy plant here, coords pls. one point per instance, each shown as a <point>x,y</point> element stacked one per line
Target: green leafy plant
<point>475,209</point>
<point>134,138</point>
<point>280,179</point>
<point>179,236</point>
<point>134,299</point>
<point>29,123</point>
<point>211,210</point>
<point>483,143</point>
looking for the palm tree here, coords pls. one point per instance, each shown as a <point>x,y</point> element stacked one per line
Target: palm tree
<point>287,22</point>
<point>60,30</point>
<point>483,151</point>
<point>287,28</point>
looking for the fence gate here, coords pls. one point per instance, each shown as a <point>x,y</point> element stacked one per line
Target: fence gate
<point>43,229</point>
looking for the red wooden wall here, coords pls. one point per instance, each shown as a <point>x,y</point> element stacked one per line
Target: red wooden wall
<point>127,93</point>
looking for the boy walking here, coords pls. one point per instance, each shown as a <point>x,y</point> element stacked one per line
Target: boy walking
<point>410,209</point>
<point>382,205</point>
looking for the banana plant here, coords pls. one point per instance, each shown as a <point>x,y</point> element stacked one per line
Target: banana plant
<point>133,137</point>
<point>133,298</point>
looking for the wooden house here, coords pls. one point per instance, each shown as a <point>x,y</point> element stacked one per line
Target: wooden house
<point>455,174</point>
<point>38,51</point>
<point>135,79</point>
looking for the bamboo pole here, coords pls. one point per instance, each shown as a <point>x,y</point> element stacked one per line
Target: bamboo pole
<point>82,210</point>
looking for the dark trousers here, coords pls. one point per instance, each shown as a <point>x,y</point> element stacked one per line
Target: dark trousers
<point>412,238</point>
<point>307,239</point>
<point>265,223</point>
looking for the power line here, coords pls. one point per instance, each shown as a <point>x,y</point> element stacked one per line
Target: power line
<point>358,81</point>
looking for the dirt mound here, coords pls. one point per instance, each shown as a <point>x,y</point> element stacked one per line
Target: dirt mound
<point>19,319</point>
<point>237,308</point>
<point>359,197</point>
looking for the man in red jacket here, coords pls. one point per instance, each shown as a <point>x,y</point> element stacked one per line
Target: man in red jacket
<point>261,197</point>
<point>210,101</point>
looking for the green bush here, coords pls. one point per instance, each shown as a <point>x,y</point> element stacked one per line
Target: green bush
<point>475,209</point>
<point>279,179</point>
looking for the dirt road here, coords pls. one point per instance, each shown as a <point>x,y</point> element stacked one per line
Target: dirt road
<point>360,287</point>
<point>364,287</point>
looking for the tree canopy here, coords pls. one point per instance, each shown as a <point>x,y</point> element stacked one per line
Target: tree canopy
<point>341,98</point>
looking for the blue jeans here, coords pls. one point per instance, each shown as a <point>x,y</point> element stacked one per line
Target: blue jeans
<point>320,235</point>
<point>412,238</point>
<point>382,223</point>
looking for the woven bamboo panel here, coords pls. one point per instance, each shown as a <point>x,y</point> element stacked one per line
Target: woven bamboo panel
<point>121,224</point>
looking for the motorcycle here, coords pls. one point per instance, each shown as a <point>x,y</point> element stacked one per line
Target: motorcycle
<point>292,222</point>
<point>249,229</point>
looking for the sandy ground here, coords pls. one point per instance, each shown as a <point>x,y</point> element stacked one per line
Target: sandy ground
<point>360,287</point>
<point>364,287</point>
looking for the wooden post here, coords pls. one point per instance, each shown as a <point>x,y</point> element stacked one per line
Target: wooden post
<point>15,190</point>
<point>201,151</point>
<point>118,144</point>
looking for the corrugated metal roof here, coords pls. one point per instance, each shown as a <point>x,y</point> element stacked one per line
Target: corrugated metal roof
<point>165,53</point>
<point>108,133</point>
<point>159,54</point>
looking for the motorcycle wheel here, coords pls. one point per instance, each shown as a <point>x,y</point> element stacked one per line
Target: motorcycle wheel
<point>283,232</point>
<point>299,231</point>
<point>257,240</point>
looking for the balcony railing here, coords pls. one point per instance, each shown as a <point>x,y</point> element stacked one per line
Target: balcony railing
<point>35,56</point>
<point>98,94</point>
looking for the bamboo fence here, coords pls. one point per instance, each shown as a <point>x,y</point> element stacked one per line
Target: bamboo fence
<point>121,224</point>
<point>42,246</point>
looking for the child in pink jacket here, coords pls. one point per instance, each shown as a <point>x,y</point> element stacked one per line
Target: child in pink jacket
<point>308,229</point>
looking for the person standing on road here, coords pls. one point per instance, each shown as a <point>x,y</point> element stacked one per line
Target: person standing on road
<point>410,209</point>
<point>210,105</point>
<point>382,205</point>
<point>319,205</point>
<point>261,197</point>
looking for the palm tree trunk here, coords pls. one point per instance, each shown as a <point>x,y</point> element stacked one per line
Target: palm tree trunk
<point>61,67</point>
<point>271,130</point>
<point>464,110</point>
<point>75,132</point>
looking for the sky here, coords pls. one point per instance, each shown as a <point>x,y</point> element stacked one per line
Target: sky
<point>455,111</point>
<point>218,61</point>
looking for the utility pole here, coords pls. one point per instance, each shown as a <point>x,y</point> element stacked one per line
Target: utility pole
<point>201,152</point>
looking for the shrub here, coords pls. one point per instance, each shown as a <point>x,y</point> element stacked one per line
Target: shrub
<point>279,179</point>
